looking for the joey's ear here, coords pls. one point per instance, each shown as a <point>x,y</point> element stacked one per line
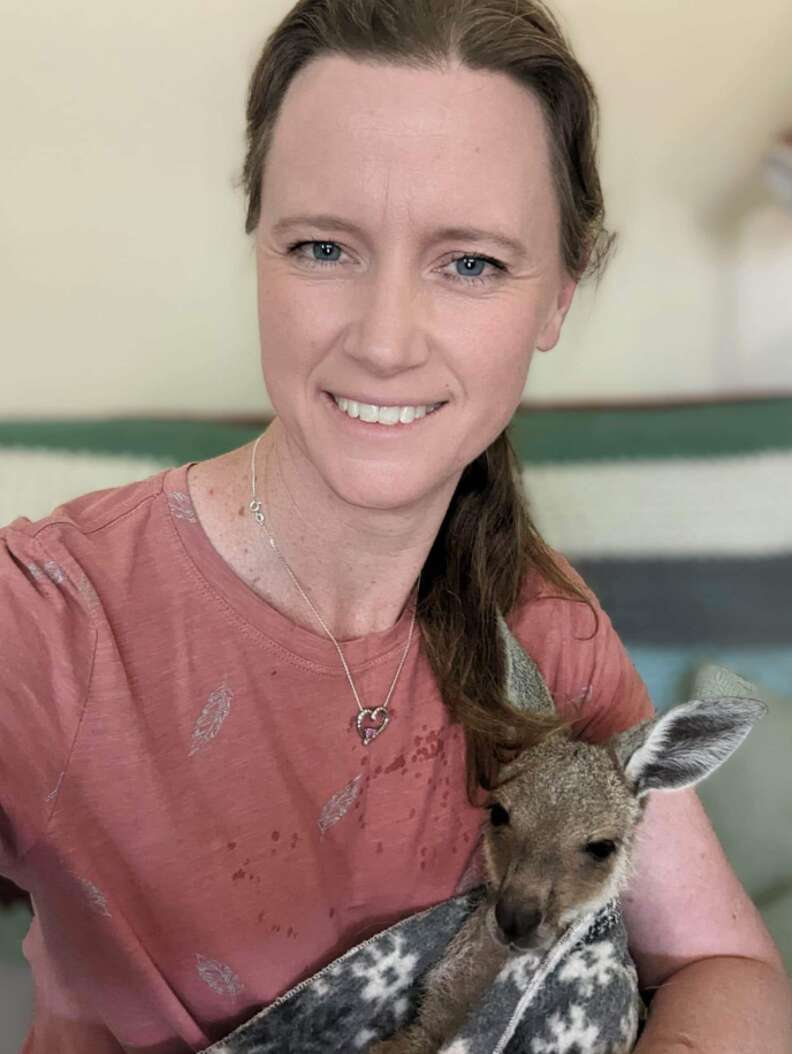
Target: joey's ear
<point>686,744</point>
<point>525,687</point>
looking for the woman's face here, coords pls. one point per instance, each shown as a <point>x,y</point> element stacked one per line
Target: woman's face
<point>390,311</point>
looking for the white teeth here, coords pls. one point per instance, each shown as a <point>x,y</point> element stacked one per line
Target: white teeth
<point>384,415</point>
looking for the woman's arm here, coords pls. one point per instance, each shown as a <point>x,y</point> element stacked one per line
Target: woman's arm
<point>700,945</point>
<point>727,1005</point>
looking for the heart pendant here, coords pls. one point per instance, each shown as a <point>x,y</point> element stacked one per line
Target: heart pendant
<point>372,731</point>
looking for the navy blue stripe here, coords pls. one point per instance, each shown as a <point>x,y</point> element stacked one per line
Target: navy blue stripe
<point>695,601</point>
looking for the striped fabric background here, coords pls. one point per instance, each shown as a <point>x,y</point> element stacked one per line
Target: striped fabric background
<point>678,517</point>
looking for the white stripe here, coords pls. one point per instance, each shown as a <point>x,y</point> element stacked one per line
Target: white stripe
<point>33,482</point>
<point>738,506</point>
<point>729,507</point>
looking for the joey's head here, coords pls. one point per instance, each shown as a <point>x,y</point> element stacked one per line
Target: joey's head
<point>563,815</point>
<point>562,819</point>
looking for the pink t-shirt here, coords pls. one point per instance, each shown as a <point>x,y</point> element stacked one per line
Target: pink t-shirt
<point>182,790</point>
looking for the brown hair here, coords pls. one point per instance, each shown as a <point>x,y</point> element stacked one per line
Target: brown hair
<point>487,547</point>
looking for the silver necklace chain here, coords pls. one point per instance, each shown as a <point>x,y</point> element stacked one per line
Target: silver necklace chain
<point>377,717</point>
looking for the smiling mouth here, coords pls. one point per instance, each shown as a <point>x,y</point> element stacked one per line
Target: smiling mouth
<point>378,426</point>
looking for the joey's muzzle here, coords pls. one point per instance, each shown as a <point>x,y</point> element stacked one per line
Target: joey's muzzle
<point>518,922</point>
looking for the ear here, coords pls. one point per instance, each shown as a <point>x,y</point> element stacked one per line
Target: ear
<point>525,687</point>
<point>686,744</point>
<point>549,334</point>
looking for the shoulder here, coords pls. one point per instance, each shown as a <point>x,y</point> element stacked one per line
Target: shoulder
<point>57,571</point>
<point>56,575</point>
<point>48,646</point>
<point>76,536</point>
<point>580,656</point>
<point>93,511</point>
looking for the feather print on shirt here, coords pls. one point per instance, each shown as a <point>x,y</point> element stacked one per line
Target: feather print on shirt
<point>218,976</point>
<point>55,571</point>
<point>88,592</point>
<point>340,803</point>
<point>212,716</point>
<point>96,898</point>
<point>52,571</point>
<point>181,505</point>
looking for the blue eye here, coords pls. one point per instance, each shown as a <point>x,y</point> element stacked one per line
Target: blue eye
<point>297,245</point>
<point>496,265</point>
<point>479,259</point>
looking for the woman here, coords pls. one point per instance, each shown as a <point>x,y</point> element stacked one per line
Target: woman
<point>222,799</point>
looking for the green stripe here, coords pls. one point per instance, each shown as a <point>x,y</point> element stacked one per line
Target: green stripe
<point>719,430</point>
<point>538,435</point>
<point>177,441</point>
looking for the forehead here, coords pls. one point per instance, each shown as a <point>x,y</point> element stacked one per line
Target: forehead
<point>385,144</point>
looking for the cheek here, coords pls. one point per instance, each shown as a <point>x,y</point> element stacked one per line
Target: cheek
<point>283,313</point>
<point>496,856</point>
<point>498,339</point>
<point>493,386</point>
<point>291,339</point>
<point>583,884</point>
<point>493,375</point>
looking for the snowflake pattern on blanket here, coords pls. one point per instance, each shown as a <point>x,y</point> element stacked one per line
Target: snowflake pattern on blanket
<point>582,997</point>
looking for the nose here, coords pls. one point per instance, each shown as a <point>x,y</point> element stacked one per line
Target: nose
<point>388,342</point>
<point>517,921</point>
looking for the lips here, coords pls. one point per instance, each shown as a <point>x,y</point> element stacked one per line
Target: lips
<point>373,428</point>
<point>393,402</point>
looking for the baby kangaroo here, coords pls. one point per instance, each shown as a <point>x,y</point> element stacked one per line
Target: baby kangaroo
<point>562,822</point>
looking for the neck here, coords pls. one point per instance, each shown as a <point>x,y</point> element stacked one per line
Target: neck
<point>358,565</point>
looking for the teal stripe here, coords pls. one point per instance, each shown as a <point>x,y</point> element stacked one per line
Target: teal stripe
<point>539,436</point>
<point>176,441</point>
<point>719,430</point>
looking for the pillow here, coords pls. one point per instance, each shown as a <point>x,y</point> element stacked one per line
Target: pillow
<point>749,803</point>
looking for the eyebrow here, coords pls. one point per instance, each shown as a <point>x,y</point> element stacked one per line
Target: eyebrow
<point>471,234</point>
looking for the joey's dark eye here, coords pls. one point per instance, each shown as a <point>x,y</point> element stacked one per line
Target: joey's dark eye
<point>601,850</point>
<point>498,815</point>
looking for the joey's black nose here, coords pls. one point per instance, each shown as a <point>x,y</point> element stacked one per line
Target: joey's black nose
<point>515,920</point>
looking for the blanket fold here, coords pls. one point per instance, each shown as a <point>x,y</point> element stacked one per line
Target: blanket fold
<point>581,997</point>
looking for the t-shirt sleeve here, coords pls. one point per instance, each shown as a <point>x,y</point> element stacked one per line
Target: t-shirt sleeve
<point>47,644</point>
<point>589,674</point>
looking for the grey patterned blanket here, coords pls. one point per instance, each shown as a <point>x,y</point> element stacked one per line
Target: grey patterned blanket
<point>581,997</point>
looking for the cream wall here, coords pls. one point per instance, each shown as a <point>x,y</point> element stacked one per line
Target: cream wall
<point>127,282</point>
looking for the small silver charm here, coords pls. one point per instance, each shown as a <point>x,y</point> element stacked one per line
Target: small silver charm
<point>369,733</point>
